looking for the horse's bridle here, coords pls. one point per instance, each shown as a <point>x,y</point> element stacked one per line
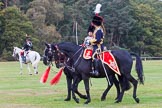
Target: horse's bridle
<point>61,56</point>
<point>48,55</point>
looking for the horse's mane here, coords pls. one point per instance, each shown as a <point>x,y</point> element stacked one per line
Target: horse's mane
<point>68,46</point>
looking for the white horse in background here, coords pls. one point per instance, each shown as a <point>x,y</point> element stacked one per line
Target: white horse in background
<point>32,57</point>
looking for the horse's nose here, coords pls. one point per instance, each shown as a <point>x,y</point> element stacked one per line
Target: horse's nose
<point>61,64</point>
<point>57,65</point>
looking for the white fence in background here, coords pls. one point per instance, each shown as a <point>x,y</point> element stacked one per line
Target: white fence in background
<point>150,58</point>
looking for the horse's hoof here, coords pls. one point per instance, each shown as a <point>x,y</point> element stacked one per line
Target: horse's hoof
<point>76,100</point>
<point>117,101</point>
<point>137,100</point>
<point>67,99</point>
<point>103,99</point>
<point>36,73</point>
<point>88,101</point>
<point>30,74</point>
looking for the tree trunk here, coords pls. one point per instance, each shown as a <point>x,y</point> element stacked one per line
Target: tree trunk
<point>6,3</point>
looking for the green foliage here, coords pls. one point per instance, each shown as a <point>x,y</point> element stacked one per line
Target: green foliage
<point>15,25</point>
<point>147,28</point>
<point>6,55</point>
<point>43,15</point>
<point>130,24</point>
<point>119,21</point>
<point>1,5</point>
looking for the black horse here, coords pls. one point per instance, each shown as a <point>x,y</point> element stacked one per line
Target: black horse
<point>83,67</point>
<point>72,76</point>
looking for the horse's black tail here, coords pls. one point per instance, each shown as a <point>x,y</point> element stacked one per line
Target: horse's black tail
<point>139,68</point>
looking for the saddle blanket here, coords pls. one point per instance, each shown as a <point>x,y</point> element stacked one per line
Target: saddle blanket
<point>109,59</point>
<point>106,57</point>
<point>87,53</point>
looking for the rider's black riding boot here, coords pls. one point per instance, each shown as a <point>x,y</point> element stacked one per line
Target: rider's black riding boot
<point>95,71</point>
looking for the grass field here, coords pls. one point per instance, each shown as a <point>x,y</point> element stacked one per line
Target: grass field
<point>25,91</point>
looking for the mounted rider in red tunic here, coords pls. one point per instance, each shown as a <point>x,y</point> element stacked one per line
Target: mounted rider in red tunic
<point>97,40</point>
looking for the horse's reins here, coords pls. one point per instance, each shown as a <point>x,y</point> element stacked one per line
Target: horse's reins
<point>65,62</point>
<point>74,65</point>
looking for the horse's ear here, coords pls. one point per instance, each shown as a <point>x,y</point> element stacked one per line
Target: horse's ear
<point>47,45</point>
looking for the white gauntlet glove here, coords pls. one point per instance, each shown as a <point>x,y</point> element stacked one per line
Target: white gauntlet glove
<point>87,43</point>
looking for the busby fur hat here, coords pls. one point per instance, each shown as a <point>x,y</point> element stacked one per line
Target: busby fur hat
<point>97,20</point>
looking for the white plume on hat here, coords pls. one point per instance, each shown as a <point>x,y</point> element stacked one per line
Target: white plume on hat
<point>97,10</point>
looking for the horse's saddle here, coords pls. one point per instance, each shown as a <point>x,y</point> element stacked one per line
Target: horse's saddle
<point>88,52</point>
<point>106,57</point>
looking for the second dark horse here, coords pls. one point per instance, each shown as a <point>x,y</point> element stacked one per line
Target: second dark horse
<point>83,67</point>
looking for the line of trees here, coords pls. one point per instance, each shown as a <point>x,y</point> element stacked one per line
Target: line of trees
<point>135,25</point>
